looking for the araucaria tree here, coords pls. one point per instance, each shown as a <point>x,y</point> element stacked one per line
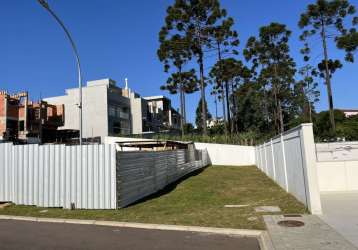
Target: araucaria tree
<point>325,19</point>
<point>231,73</point>
<point>274,68</point>
<point>193,20</point>
<point>184,83</point>
<point>224,41</point>
<point>175,51</point>
<point>307,93</point>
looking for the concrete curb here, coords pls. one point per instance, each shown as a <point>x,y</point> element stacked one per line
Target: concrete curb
<point>227,231</point>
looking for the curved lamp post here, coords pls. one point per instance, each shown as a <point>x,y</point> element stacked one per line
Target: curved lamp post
<point>47,7</point>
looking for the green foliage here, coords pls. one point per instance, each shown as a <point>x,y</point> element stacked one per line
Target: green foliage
<point>349,43</point>
<point>187,81</point>
<point>346,127</point>
<point>333,65</point>
<point>274,70</point>
<point>250,116</point>
<point>306,94</point>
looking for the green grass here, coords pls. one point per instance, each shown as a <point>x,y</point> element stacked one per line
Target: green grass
<point>198,200</point>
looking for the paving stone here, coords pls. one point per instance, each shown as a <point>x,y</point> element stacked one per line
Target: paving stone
<point>236,206</point>
<point>314,235</point>
<point>267,209</point>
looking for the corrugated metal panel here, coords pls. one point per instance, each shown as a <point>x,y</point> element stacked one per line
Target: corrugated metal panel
<point>143,173</point>
<point>58,175</point>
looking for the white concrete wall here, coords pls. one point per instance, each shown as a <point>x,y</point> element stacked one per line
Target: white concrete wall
<point>229,155</point>
<point>95,113</point>
<point>338,176</point>
<point>338,151</point>
<point>289,159</point>
<point>337,165</point>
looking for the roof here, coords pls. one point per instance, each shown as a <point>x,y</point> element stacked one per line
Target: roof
<point>155,97</point>
<point>349,110</point>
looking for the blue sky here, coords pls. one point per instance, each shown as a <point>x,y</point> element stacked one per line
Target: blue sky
<point>118,39</point>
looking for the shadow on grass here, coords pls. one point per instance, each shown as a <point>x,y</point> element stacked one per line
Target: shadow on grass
<point>167,189</point>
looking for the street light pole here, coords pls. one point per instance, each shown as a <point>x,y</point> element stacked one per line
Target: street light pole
<point>47,7</point>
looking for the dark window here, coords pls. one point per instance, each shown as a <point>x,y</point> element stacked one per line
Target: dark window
<point>21,125</point>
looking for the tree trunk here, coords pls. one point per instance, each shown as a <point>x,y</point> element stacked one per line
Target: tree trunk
<point>282,128</point>
<point>222,87</point>
<point>202,90</point>
<point>228,104</point>
<point>216,106</point>
<point>181,89</point>
<point>233,109</point>
<point>328,79</point>
<point>184,105</point>
<point>278,102</point>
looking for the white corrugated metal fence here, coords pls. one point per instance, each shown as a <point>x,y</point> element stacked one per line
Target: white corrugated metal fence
<point>58,175</point>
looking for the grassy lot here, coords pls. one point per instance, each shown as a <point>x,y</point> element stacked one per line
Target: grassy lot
<point>198,200</point>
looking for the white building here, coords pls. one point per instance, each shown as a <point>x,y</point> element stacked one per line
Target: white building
<point>112,111</point>
<point>106,110</point>
<point>349,112</point>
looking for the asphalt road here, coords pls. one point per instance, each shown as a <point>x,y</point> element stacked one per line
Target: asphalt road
<point>16,235</point>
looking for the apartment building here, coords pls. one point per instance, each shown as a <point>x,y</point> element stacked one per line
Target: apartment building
<point>109,110</point>
<point>160,109</point>
<point>27,121</point>
<point>105,108</point>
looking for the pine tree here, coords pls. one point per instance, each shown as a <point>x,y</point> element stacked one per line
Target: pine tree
<point>325,19</point>
<point>274,68</point>
<point>193,19</point>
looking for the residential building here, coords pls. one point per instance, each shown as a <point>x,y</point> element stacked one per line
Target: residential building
<point>349,112</point>
<point>27,121</point>
<point>160,109</point>
<point>105,109</point>
<point>109,110</point>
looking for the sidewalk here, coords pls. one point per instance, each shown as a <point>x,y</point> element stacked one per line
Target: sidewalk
<point>314,235</point>
<point>340,210</point>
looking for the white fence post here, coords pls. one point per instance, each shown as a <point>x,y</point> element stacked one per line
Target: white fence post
<point>273,161</point>
<point>310,169</point>
<point>284,160</point>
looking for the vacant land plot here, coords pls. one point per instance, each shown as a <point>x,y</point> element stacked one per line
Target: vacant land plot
<point>198,200</point>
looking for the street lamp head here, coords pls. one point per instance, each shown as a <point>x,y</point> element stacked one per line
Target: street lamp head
<point>43,3</point>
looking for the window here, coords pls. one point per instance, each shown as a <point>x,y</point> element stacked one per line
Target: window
<point>21,125</point>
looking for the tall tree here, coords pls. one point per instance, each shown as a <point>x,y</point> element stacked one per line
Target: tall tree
<point>274,67</point>
<point>231,73</point>
<point>250,109</point>
<point>194,19</point>
<point>202,105</point>
<point>325,19</point>
<point>307,93</point>
<point>175,51</point>
<point>224,40</point>
<point>183,83</point>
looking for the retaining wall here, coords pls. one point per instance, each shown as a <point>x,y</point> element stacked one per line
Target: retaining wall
<point>289,159</point>
<point>229,155</point>
<point>337,165</point>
